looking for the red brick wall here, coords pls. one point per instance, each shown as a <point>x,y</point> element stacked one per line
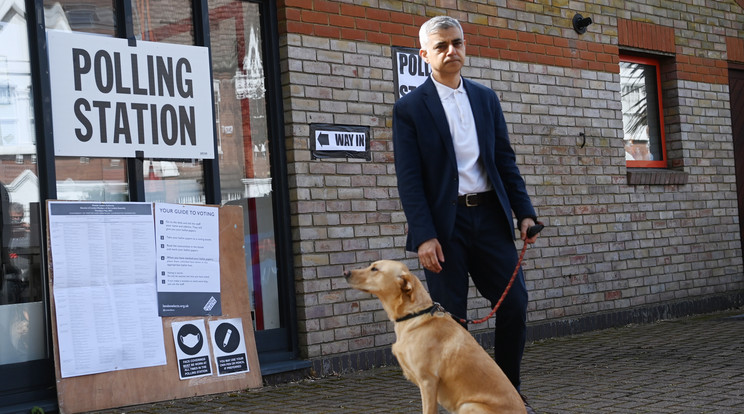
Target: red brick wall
<point>487,38</point>
<point>657,38</point>
<point>706,70</point>
<point>645,36</point>
<point>735,48</point>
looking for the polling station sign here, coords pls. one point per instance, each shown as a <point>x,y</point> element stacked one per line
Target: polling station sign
<point>339,141</point>
<point>112,99</point>
<point>409,70</point>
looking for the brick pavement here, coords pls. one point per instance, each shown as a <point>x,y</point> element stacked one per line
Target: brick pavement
<point>687,365</point>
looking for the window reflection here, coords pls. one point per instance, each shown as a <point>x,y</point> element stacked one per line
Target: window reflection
<point>168,21</point>
<point>91,179</point>
<point>92,16</point>
<point>84,178</point>
<point>243,144</point>
<point>640,107</point>
<point>175,181</point>
<point>22,322</point>
<point>172,181</point>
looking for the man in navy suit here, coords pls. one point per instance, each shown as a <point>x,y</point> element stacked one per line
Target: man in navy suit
<point>459,184</point>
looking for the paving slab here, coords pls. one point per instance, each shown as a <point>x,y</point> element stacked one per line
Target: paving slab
<point>687,365</point>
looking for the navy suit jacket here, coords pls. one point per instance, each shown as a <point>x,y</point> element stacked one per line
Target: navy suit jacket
<point>426,166</point>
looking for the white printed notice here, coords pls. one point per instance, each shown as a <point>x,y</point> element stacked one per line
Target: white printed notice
<point>192,349</point>
<point>103,263</point>
<point>188,260</point>
<point>228,343</point>
<point>409,70</point>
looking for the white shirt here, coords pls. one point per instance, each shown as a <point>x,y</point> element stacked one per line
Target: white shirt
<point>472,175</point>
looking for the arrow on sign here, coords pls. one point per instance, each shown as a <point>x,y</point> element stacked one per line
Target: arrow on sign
<point>323,139</point>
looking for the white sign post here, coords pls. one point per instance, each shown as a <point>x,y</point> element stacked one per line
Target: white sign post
<point>409,70</point>
<point>110,99</point>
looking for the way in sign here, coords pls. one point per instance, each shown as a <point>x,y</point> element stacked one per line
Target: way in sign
<point>350,140</point>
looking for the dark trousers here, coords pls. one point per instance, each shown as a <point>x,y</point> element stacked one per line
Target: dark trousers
<point>482,247</point>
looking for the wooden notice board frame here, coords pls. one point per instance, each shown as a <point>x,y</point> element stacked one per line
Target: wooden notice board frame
<point>161,383</point>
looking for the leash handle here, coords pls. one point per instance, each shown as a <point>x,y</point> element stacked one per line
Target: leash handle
<point>533,230</point>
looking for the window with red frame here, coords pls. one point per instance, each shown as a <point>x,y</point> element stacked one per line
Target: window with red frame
<point>643,126</point>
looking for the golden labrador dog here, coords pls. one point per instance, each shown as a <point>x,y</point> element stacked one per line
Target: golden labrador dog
<point>434,351</point>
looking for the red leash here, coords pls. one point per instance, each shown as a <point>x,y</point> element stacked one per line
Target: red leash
<point>531,232</point>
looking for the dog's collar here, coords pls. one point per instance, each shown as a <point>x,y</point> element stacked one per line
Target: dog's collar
<point>430,310</point>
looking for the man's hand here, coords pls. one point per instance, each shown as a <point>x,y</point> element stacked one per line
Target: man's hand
<point>526,224</point>
<point>430,255</point>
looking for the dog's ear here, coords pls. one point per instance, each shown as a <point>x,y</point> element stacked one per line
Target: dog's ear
<point>406,285</point>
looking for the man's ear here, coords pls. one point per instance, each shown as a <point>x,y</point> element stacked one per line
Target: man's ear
<point>422,53</point>
<point>406,286</point>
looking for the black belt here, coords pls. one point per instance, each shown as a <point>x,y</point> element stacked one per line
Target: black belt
<point>476,199</point>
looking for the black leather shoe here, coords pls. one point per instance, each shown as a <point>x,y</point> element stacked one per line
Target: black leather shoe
<point>527,406</point>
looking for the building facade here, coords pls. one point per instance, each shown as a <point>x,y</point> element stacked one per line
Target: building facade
<point>627,120</point>
<point>625,238</point>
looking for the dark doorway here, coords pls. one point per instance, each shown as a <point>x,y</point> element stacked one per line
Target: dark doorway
<point>736,91</point>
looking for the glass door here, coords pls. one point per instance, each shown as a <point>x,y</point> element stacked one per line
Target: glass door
<point>23,324</point>
<point>243,148</point>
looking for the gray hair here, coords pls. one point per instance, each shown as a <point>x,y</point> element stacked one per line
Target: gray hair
<point>435,24</point>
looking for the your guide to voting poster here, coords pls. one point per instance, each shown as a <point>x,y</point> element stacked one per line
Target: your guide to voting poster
<point>188,263</point>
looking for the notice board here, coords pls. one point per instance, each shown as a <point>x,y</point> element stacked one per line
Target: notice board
<point>160,383</point>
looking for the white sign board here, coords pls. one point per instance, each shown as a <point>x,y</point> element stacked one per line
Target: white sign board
<point>104,287</point>
<point>110,99</point>
<point>228,344</point>
<point>192,349</point>
<point>188,259</point>
<point>410,70</point>
<point>340,141</point>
